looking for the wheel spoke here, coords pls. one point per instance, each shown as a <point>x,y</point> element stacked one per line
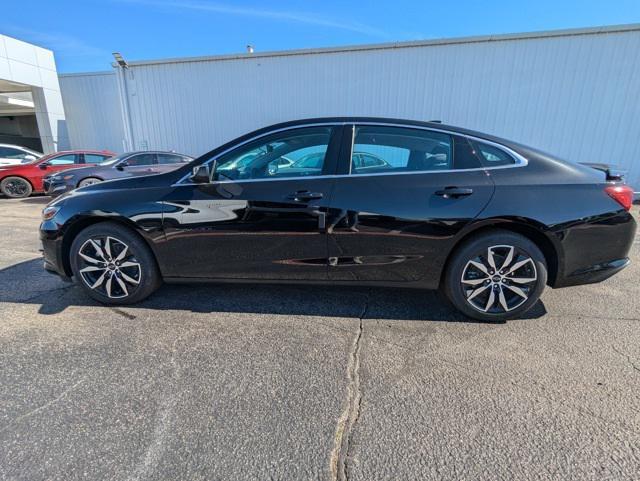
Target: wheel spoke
<point>480,267</point>
<point>490,259</point>
<point>522,280</point>
<point>478,291</point>
<point>509,258</point>
<point>98,249</point>
<point>107,247</point>
<point>490,301</point>
<point>129,279</point>
<point>108,286</point>
<point>503,300</point>
<point>122,254</point>
<point>90,260</point>
<point>122,286</point>
<point>517,290</point>
<point>473,282</point>
<point>130,264</point>
<point>92,269</point>
<point>99,281</point>
<point>518,265</point>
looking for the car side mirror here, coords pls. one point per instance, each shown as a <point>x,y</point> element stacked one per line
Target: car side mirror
<point>44,165</point>
<point>201,175</point>
<point>29,158</point>
<point>122,165</point>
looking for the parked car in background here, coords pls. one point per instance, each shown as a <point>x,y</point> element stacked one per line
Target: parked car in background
<point>131,164</point>
<point>15,154</point>
<point>488,221</point>
<point>22,180</point>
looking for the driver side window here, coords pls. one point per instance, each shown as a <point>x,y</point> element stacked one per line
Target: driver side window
<point>294,153</point>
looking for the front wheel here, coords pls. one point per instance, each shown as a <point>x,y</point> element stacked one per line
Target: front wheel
<point>16,187</point>
<point>496,276</point>
<point>113,265</point>
<point>88,181</point>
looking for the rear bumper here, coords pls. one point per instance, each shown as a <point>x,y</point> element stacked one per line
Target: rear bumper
<point>595,273</point>
<point>596,250</point>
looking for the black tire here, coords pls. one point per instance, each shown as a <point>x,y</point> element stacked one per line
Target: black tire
<point>16,187</point>
<point>88,181</point>
<point>119,269</point>
<point>470,289</point>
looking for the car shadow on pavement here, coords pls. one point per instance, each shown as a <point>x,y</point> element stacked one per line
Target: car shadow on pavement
<point>27,283</point>
<point>42,199</point>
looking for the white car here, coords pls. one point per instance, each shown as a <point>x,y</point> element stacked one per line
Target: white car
<point>14,155</point>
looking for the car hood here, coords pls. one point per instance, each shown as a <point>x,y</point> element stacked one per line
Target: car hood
<point>89,169</point>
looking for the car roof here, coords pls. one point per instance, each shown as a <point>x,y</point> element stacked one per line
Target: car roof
<point>82,151</point>
<point>15,146</point>
<point>389,120</point>
<point>155,152</point>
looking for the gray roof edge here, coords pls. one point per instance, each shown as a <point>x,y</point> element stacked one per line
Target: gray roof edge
<point>635,27</point>
<point>87,74</point>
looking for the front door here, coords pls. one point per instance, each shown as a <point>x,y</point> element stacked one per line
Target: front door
<point>404,194</point>
<point>264,215</point>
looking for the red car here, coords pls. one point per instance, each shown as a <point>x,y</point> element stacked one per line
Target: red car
<point>22,180</point>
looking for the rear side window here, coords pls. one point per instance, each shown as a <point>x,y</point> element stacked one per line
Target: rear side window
<point>381,149</point>
<point>170,159</point>
<point>95,158</point>
<point>493,156</point>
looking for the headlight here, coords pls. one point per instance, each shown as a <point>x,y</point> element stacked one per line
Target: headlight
<point>62,177</point>
<point>49,213</point>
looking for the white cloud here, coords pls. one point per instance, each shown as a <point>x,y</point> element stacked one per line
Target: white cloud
<point>60,43</point>
<point>299,17</point>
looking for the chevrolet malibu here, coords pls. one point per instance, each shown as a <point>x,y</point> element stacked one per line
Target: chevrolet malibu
<point>488,221</point>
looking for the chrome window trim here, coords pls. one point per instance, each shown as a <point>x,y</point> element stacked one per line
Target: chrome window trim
<point>520,161</point>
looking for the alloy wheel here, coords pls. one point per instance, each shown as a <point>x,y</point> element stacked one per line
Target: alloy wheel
<point>107,265</point>
<point>17,187</point>
<point>499,280</point>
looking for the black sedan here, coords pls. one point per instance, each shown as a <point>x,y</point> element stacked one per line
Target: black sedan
<point>488,221</point>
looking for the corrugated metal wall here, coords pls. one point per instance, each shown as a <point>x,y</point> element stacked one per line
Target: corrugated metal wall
<point>91,103</point>
<point>575,95</point>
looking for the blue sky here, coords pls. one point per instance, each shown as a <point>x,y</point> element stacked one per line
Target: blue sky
<point>83,33</point>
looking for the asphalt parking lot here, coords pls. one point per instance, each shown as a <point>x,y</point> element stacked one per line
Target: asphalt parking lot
<point>238,382</point>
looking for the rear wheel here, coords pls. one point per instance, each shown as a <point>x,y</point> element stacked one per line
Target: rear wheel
<point>497,276</point>
<point>16,187</point>
<point>88,181</point>
<point>113,265</point>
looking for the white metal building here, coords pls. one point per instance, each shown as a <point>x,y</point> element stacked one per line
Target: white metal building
<point>31,109</point>
<point>575,93</point>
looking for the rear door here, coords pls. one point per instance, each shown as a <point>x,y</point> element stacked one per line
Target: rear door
<point>402,196</point>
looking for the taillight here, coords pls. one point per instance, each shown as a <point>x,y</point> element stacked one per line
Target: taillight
<point>622,194</point>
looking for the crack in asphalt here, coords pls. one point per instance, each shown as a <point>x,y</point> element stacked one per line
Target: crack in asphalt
<point>629,358</point>
<point>341,452</point>
<point>43,407</point>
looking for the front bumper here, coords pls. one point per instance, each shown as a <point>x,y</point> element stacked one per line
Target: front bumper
<point>51,242</point>
<point>55,188</point>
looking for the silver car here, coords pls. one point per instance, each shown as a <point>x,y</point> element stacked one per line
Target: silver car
<point>126,165</point>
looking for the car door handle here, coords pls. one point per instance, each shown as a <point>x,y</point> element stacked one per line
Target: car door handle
<point>454,192</point>
<point>304,196</point>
